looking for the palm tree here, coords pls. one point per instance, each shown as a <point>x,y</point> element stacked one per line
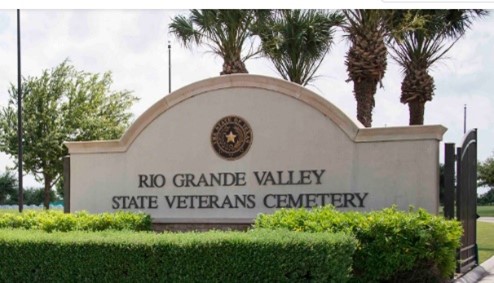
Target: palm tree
<point>225,32</point>
<point>417,50</point>
<point>296,41</point>
<point>366,59</point>
<point>416,54</point>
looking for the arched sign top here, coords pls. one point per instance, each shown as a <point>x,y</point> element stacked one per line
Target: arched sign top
<point>352,129</point>
<point>225,149</point>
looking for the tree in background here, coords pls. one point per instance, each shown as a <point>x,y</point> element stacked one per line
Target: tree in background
<point>485,172</point>
<point>417,50</point>
<point>8,187</point>
<point>63,104</point>
<point>36,196</point>
<point>485,176</point>
<point>296,41</point>
<point>9,193</point>
<point>224,32</point>
<point>486,198</point>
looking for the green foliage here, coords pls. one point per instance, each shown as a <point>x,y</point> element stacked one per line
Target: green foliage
<point>487,198</point>
<point>33,196</point>
<point>485,171</point>
<point>296,41</point>
<point>63,104</point>
<point>50,221</point>
<point>9,192</point>
<point>224,32</point>
<point>59,187</point>
<point>485,177</point>
<point>418,49</point>
<point>8,187</point>
<point>394,246</point>
<point>256,256</point>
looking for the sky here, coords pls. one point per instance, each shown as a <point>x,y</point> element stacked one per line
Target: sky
<point>132,44</point>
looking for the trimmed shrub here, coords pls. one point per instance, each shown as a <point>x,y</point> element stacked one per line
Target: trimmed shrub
<point>115,256</point>
<point>54,220</point>
<point>394,246</point>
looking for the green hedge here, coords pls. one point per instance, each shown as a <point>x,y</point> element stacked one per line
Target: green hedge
<point>115,256</point>
<point>394,246</point>
<point>55,220</point>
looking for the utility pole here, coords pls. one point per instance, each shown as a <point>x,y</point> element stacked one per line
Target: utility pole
<point>169,67</point>
<point>464,118</point>
<point>19,112</point>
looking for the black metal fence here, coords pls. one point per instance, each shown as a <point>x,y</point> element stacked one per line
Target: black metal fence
<point>465,197</point>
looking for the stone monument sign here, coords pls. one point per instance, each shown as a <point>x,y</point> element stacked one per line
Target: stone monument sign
<point>224,149</point>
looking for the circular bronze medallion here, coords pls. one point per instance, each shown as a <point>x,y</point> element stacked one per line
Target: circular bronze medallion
<point>231,137</point>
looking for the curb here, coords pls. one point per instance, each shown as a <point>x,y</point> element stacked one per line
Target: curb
<point>479,272</point>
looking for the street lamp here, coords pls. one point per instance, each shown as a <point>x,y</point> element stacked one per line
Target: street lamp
<point>169,67</point>
<point>19,112</point>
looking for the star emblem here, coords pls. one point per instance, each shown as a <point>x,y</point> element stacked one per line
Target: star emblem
<point>230,137</point>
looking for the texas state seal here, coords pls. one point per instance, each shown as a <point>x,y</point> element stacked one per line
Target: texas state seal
<point>231,137</point>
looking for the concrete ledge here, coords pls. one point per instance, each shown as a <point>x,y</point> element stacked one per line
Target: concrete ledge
<point>407,133</point>
<point>201,224</point>
<point>247,221</point>
<point>479,272</point>
<point>186,227</point>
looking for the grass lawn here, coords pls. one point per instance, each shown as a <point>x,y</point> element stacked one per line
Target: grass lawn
<point>8,210</point>
<point>16,211</point>
<point>485,210</point>
<point>485,240</point>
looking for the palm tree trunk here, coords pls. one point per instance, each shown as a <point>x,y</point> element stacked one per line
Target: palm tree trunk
<point>416,89</point>
<point>364,94</point>
<point>416,109</point>
<point>233,67</point>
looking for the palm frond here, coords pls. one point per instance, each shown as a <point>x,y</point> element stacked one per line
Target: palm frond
<point>225,32</point>
<point>296,41</point>
<point>183,29</point>
<point>428,43</point>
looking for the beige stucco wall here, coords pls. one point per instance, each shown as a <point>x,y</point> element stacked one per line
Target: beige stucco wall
<point>293,129</point>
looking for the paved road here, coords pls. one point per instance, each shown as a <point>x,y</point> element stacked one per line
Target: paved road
<point>488,266</point>
<point>484,273</point>
<point>486,219</point>
<point>487,279</point>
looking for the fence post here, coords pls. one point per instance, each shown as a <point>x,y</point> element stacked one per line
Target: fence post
<point>449,180</point>
<point>66,184</point>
